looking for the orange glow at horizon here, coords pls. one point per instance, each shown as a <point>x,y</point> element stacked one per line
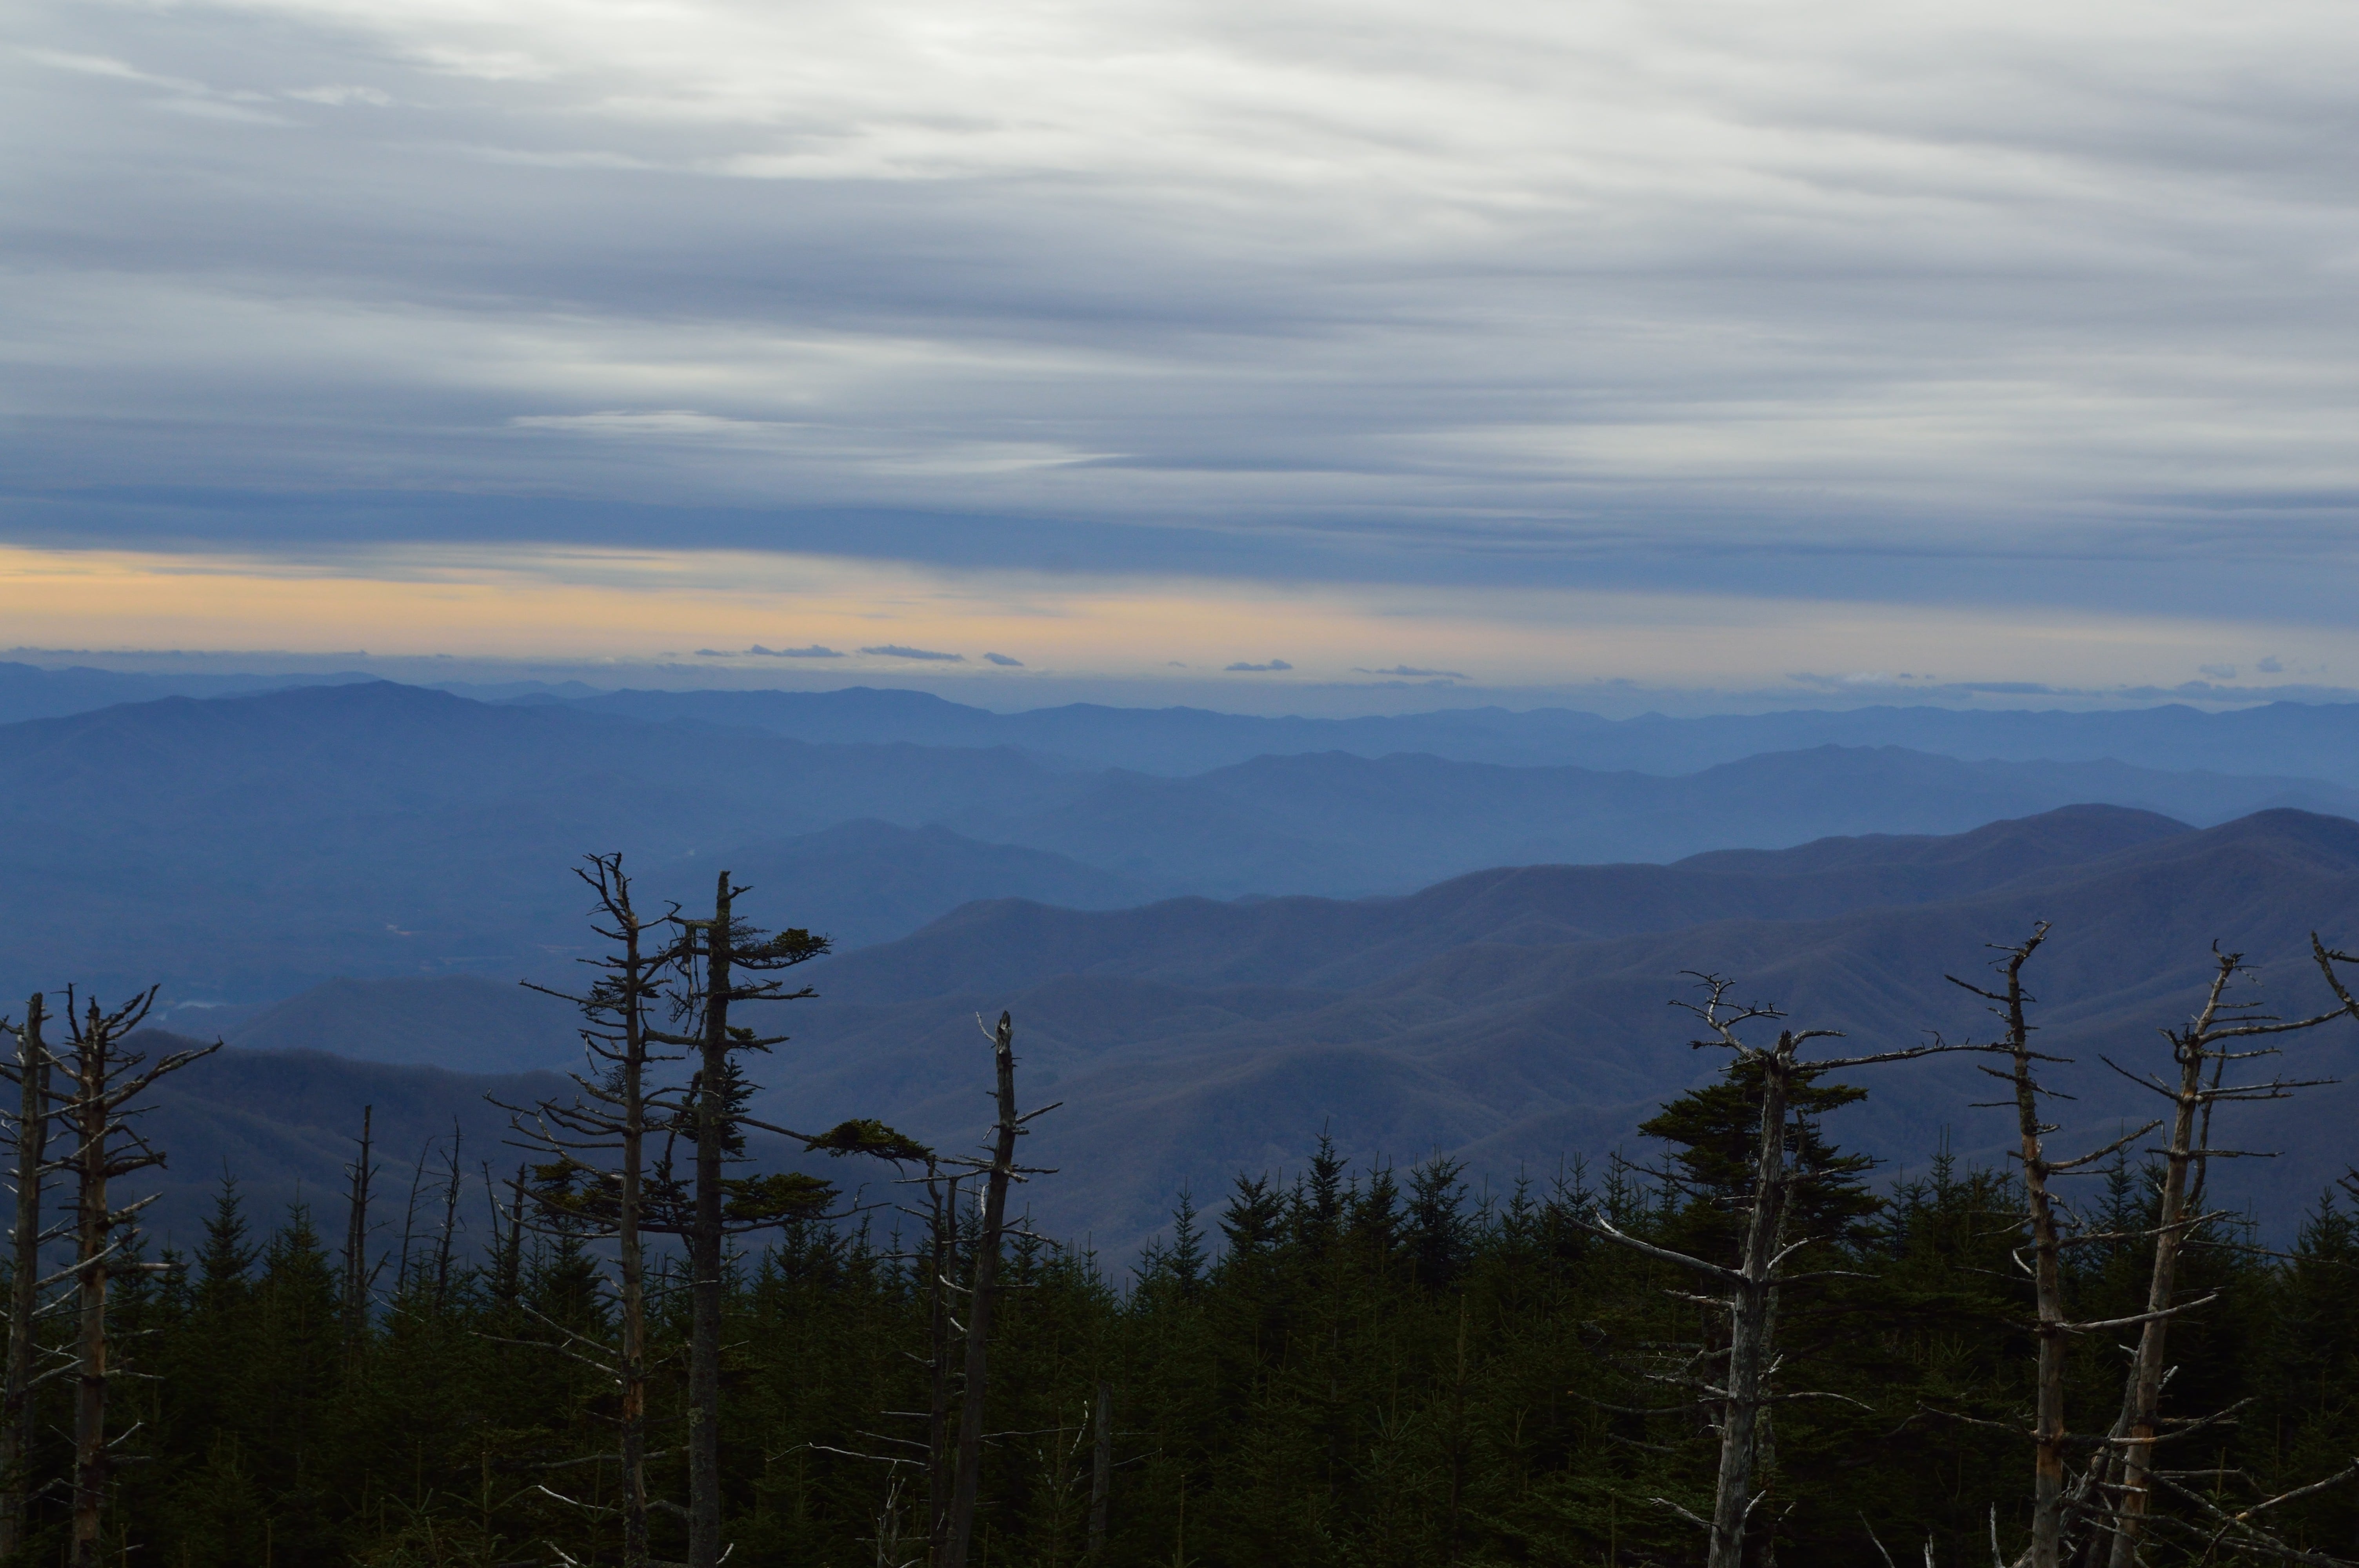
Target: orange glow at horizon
<point>634,605</point>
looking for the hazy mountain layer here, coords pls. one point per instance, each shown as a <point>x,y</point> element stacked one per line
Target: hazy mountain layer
<point>287,1125</point>
<point>1188,1044</point>
<point>244,848</point>
<point>2302,739</point>
<point>1517,1017</point>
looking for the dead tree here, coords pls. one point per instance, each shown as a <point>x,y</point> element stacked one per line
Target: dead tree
<point>447,1236</point>
<point>103,1077</point>
<point>507,1237</point>
<point>1749,1292</point>
<point>982,1294</point>
<point>32,1127</point>
<point>941,1323</point>
<point>953,1466</point>
<point>2050,1437</point>
<point>596,1176</point>
<point>723,962</point>
<point>358,1276</point>
<point>2203,1051</point>
<point>604,1177</point>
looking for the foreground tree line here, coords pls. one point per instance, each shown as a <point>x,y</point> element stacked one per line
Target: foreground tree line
<point>1732,1351</point>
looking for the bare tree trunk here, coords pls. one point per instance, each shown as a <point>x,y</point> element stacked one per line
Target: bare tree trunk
<point>1749,1292</point>
<point>1101,1471</point>
<point>630,1245</point>
<point>105,1080</point>
<point>610,1115</point>
<point>705,1247</point>
<point>508,1280</point>
<point>979,1300</point>
<point>941,1254</point>
<point>401,1276</point>
<point>2048,1435</point>
<point>356,1232</point>
<point>2171,1232</point>
<point>1752,1305</point>
<point>32,1145</point>
<point>88,1115</point>
<point>446,1238</point>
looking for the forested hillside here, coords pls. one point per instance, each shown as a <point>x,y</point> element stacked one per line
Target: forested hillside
<point>1360,1366</point>
<point>1505,1019</point>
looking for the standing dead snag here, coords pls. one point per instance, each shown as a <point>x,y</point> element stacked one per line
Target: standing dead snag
<point>32,1132</point>
<point>2050,1435</point>
<point>941,1324</point>
<point>2096,1520</point>
<point>600,1178</point>
<point>2201,1052</point>
<point>1749,1292</point>
<point>358,1276</point>
<point>609,1120</point>
<point>997,1174</point>
<point>103,1079</point>
<point>724,961</point>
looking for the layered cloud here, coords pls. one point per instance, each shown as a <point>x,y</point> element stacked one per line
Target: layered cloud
<point>2022,310</point>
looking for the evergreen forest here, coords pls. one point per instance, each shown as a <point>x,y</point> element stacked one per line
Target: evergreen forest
<point>1367,1366</point>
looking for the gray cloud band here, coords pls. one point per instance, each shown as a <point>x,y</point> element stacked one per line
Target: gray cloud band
<point>1798,311</point>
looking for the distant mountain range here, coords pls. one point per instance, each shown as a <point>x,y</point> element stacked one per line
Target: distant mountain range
<point>1418,949</point>
<point>241,849</point>
<point>29,691</point>
<point>1515,1018</point>
<point>2301,739</point>
<point>2318,740</point>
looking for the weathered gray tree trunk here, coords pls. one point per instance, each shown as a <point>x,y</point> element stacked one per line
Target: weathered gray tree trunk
<point>704,1252</point>
<point>2144,1399</point>
<point>2201,1052</point>
<point>2047,1433</point>
<point>979,1304</point>
<point>609,1115</point>
<point>32,1149</point>
<point>1753,1308</point>
<point>1749,1292</point>
<point>88,1117</point>
<point>103,1078</point>
<point>630,1245</point>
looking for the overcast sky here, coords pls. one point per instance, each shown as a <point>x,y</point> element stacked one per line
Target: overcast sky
<point>1679,343</point>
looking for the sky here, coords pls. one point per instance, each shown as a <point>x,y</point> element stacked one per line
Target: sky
<point>1281,354</point>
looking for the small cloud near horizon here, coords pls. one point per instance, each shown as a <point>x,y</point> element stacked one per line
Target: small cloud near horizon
<point>1003,660</point>
<point>814,652</point>
<point>2272,665</point>
<point>896,651</point>
<point>1412,672</point>
<point>1273,664</point>
<point>2217,671</point>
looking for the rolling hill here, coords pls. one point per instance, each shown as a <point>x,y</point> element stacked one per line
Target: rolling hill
<point>1514,1018</point>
